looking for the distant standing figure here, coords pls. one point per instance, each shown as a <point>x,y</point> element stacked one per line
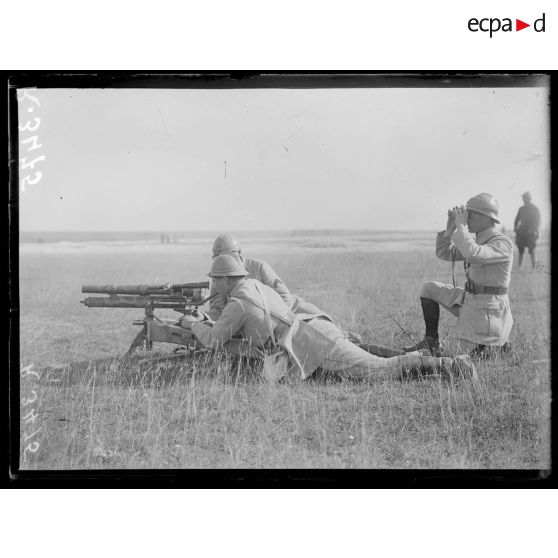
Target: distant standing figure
<point>526,227</point>
<point>484,318</point>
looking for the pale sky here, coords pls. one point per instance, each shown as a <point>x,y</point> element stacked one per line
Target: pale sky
<point>257,159</point>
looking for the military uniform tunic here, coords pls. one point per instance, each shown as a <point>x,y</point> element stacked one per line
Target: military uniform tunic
<point>240,316</point>
<point>320,343</point>
<point>482,318</point>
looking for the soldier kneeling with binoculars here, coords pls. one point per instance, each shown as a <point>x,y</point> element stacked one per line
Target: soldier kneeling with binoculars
<point>482,307</point>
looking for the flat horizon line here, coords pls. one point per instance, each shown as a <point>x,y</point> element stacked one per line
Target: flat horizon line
<point>174,231</point>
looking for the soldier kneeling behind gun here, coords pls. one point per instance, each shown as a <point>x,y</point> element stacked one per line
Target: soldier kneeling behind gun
<point>311,340</point>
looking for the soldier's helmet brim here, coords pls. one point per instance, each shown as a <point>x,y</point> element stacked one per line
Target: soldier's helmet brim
<point>227,265</point>
<point>490,214</point>
<point>229,274</point>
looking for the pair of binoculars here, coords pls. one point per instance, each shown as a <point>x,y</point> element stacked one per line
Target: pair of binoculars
<point>453,212</point>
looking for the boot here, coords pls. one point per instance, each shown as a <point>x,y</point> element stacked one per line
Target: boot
<point>431,314</point>
<point>458,367</point>
<point>428,346</point>
<point>463,367</point>
<point>412,366</point>
<point>487,352</point>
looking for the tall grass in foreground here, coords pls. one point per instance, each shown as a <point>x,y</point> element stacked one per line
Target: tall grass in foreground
<point>205,412</point>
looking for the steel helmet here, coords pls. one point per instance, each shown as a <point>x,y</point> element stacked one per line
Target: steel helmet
<point>485,204</point>
<point>227,265</point>
<point>225,242</point>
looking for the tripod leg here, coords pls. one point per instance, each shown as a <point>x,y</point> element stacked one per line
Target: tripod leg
<point>137,342</point>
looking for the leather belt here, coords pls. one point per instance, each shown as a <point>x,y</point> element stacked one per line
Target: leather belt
<point>471,288</point>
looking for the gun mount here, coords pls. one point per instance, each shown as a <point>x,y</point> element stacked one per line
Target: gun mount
<point>183,297</point>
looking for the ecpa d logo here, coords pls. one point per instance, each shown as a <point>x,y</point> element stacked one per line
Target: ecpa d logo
<point>492,25</point>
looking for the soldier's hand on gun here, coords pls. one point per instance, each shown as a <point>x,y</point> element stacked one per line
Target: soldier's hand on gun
<point>202,317</point>
<point>188,319</point>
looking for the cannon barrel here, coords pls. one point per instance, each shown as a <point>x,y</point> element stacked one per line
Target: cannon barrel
<point>187,289</point>
<point>172,303</point>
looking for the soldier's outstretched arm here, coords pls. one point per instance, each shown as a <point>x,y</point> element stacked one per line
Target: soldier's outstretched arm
<point>230,322</point>
<point>498,250</point>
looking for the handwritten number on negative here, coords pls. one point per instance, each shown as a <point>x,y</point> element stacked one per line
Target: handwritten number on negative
<point>25,95</point>
<point>27,126</point>
<point>30,181</point>
<point>27,400</point>
<point>28,436</point>
<point>32,447</point>
<point>30,417</point>
<point>25,164</point>
<point>28,372</point>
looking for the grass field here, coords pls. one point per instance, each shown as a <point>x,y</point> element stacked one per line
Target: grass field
<point>203,413</point>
